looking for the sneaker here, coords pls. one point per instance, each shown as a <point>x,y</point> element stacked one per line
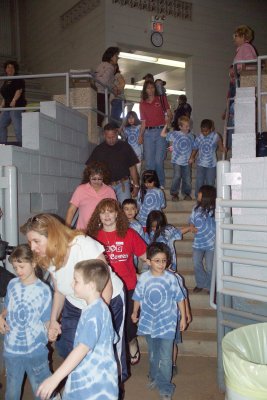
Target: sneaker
<point>197,289</point>
<point>165,397</point>
<point>174,370</point>
<point>175,197</point>
<point>187,197</point>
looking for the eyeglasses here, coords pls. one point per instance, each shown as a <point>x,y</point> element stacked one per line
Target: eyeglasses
<point>96,179</point>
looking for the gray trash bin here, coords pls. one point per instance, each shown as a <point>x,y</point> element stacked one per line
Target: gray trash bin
<point>245,363</point>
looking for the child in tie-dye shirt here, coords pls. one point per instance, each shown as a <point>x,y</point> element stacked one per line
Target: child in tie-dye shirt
<point>159,296</point>
<point>24,322</point>
<point>91,365</point>
<point>205,147</point>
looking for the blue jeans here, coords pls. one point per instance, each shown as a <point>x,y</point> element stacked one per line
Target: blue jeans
<point>181,173</point>
<point>36,368</point>
<point>160,364</point>
<point>122,191</point>
<point>6,117</point>
<point>116,110</point>
<point>205,176</point>
<point>203,276</point>
<point>155,152</point>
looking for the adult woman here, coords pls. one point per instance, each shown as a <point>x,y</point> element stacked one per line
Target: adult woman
<point>242,37</point>
<point>13,93</point>
<point>116,103</point>
<point>87,195</point>
<point>155,113</point>
<point>105,74</point>
<point>109,225</point>
<point>58,249</point>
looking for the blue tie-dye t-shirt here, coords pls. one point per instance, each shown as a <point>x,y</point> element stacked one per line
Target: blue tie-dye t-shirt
<point>182,144</point>
<point>158,297</point>
<point>206,146</point>
<point>205,223</point>
<point>28,307</point>
<point>168,236</point>
<point>131,134</point>
<point>154,200</point>
<point>137,227</point>
<point>96,376</point>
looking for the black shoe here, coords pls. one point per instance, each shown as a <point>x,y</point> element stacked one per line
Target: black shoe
<point>175,197</point>
<point>187,197</point>
<point>197,289</point>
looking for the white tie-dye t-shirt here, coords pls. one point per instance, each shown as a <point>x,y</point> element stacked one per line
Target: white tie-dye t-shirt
<point>96,376</point>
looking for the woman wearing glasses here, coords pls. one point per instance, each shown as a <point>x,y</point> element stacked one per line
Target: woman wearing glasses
<point>92,190</point>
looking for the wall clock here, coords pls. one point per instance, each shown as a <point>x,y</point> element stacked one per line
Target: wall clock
<point>156,39</point>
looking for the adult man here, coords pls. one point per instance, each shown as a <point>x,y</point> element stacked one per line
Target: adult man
<point>121,161</point>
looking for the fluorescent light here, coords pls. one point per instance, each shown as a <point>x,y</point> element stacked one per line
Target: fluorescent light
<point>168,91</point>
<point>153,60</point>
<point>171,63</point>
<point>138,57</point>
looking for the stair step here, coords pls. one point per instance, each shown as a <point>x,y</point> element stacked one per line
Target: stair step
<point>174,217</point>
<point>199,342</point>
<point>203,320</point>
<point>189,277</point>
<point>199,300</point>
<point>176,206</point>
<point>184,245</point>
<point>194,343</point>
<point>184,261</point>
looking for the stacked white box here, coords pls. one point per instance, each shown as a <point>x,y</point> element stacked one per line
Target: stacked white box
<point>244,138</point>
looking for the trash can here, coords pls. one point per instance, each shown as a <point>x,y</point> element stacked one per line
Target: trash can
<point>245,363</point>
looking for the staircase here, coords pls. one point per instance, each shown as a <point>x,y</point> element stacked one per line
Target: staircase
<point>200,338</point>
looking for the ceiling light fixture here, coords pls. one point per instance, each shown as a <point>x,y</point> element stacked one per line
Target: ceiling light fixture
<point>153,60</point>
<point>139,88</point>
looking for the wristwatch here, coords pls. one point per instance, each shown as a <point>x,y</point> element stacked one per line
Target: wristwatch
<point>137,186</point>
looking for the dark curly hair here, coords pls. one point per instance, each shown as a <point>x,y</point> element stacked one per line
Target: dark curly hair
<point>109,53</point>
<point>96,168</point>
<point>95,224</point>
<point>11,62</point>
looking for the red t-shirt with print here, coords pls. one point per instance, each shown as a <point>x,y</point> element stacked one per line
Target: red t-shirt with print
<point>120,252</point>
<point>153,113</point>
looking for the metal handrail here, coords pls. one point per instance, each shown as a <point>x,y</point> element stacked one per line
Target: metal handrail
<point>67,75</point>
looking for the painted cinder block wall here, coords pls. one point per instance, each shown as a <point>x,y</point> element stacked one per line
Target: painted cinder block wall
<point>205,42</point>
<point>51,161</point>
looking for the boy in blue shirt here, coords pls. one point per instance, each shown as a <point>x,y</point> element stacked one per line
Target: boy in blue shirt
<point>24,323</point>
<point>206,145</point>
<point>182,146</point>
<point>158,293</point>
<point>91,366</point>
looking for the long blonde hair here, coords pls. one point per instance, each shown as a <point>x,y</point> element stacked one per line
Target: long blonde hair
<point>59,237</point>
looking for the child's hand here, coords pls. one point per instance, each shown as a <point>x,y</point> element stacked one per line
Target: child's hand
<point>46,388</point>
<point>54,330</point>
<point>193,229</point>
<point>170,148</point>
<point>134,318</point>
<point>4,328</point>
<point>183,324</point>
<point>191,160</point>
<point>141,139</point>
<point>188,317</point>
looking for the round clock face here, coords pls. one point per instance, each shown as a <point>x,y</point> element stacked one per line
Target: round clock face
<point>156,39</point>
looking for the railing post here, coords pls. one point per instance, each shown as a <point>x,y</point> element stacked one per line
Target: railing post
<point>106,106</point>
<point>67,89</point>
<point>11,206</point>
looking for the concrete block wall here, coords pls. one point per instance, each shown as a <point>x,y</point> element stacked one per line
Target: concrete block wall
<point>51,161</point>
<point>253,187</point>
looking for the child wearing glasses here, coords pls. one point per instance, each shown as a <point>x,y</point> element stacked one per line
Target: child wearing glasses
<point>157,294</point>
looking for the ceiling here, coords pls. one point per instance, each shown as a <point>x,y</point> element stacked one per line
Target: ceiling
<point>131,69</point>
